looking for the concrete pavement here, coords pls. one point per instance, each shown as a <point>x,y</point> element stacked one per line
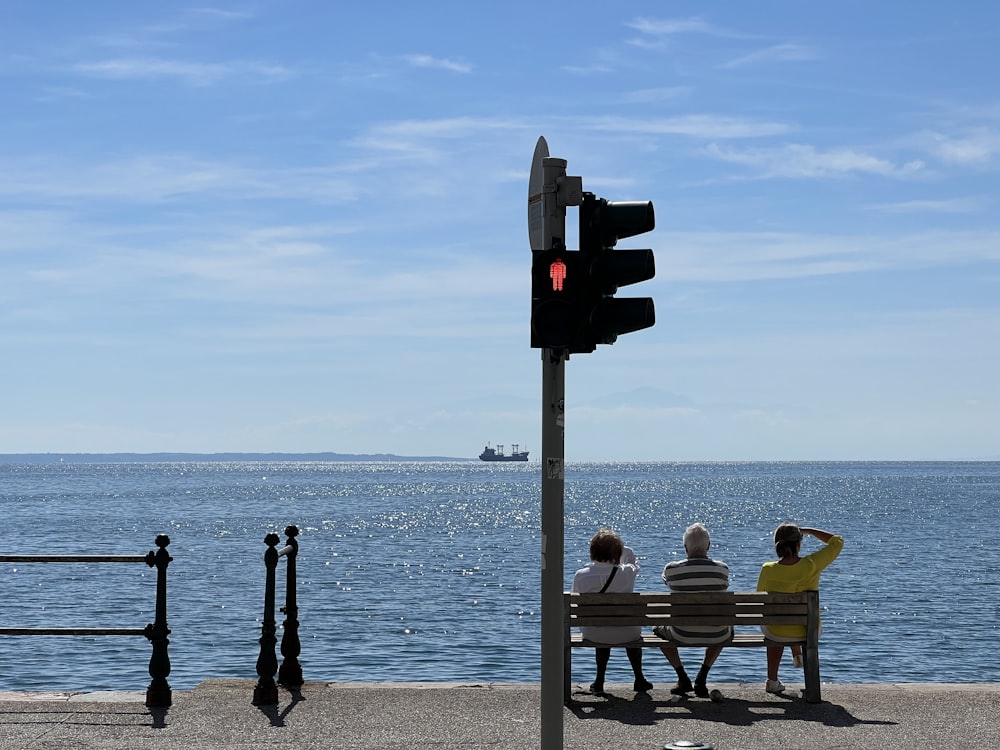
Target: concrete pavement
<point>218,715</point>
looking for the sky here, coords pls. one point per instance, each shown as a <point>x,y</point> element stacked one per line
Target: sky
<point>301,226</point>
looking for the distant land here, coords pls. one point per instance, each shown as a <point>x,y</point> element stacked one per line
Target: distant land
<point>106,458</point>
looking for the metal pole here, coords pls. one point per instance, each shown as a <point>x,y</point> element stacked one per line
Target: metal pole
<point>553,457</point>
<point>553,453</point>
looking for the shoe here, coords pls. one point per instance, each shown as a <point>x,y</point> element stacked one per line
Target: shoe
<point>797,660</point>
<point>642,685</point>
<point>682,687</point>
<point>597,688</point>
<point>701,689</point>
<point>774,686</point>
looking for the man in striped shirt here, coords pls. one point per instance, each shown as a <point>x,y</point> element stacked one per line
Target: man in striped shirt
<point>697,573</point>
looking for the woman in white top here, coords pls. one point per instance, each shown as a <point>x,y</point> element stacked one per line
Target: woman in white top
<point>612,569</point>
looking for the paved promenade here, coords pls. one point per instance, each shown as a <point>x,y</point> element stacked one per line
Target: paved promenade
<point>218,715</point>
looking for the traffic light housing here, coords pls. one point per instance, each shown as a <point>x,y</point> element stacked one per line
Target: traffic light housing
<point>557,293</point>
<point>602,224</point>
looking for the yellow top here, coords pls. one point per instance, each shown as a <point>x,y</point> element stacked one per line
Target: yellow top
<point>802,576</point>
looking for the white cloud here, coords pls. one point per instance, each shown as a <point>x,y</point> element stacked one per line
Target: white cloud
<point>979,147</point>
<point>774,53</point>
<point>154,178</point>
<point>154,32</point>
<point>593,68</point>
<point>699,126</point>
<point>651,96</point>
<point>448,127</point>
<point>664,27</point>
<point>947,206</point>
<point>751,256</point>
<point>803,161</point>
<point>191,73</point>
<point>427,61</point>
<point>219,14</point>
<point>656,33</point>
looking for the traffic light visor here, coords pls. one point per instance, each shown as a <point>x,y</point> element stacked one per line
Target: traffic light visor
<point>627,219</point>
<point>613,317</point>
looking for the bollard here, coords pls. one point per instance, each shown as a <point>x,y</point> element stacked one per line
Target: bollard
<point>158,693</point>
<point>290,673</point>
<point>266,691</point>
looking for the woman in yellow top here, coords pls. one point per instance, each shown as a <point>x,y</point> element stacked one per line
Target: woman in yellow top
<point>792,573</point>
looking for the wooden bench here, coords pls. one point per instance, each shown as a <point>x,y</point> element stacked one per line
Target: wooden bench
<point>734,608</point>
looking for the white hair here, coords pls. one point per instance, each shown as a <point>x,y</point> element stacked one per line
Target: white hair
<point>696,539</point>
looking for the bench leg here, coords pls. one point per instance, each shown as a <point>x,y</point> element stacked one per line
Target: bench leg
<point>810,664</point>
<point>810,653</point>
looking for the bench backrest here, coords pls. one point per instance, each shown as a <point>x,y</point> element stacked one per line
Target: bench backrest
<point>751,608</point>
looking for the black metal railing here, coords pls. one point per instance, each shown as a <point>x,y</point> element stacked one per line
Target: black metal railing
<point>158,693</point>
<point>290,674</point>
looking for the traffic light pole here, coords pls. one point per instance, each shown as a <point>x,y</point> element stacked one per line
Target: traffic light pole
<point>553,455</point>
<point>553,459</point>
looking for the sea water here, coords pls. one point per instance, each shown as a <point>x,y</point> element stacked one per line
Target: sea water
<point>431,571</point>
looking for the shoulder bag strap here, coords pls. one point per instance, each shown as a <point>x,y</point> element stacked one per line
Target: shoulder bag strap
<point>611,577</point>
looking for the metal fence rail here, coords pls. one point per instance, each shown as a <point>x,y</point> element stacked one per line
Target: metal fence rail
<point>158,693</point>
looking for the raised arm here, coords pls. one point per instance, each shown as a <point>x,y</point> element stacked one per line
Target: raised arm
<point>823,536</point>
<point>833,544</point>
<point>629,569</point>
<point>628,557</point>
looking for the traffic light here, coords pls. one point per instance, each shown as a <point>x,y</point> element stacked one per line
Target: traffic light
<point>557,287</point>
<point>602,224</point>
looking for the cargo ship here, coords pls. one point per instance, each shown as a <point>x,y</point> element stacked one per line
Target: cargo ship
<point>497,454</point>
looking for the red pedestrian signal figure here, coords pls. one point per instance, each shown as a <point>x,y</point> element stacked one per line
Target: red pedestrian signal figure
<point>557,272</point>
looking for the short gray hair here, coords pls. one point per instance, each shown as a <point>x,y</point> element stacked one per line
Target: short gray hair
<point>696,539</point>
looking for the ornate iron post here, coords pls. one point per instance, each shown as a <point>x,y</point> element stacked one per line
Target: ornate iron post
<point>290,673</point>
<point>158,693</point>
<point>266,691</point>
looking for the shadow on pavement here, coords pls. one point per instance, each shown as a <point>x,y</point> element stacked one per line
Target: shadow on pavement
<point>644,709</point>
<point>74,715</point>
<point>277,718</point>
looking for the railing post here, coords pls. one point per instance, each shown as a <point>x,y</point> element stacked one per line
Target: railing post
<point>266,691</point>
<point>290,673</point>
<point>158,693</point>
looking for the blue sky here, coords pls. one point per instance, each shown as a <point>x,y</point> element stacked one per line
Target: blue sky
<point>301,226</point>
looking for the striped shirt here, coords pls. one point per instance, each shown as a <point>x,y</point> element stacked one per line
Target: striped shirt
<point>698,574</point>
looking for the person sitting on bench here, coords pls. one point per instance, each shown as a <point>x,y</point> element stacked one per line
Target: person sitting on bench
<point>791,573</point>
<point>696,573</point>
<point>612,569</point>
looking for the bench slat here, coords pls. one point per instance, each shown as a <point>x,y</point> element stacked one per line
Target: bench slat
<point>707,620</point>
<point>701,611</point>
<point>648,640</point>
<point>691,597</point>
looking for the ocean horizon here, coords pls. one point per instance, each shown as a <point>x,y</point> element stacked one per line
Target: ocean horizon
<point>225,456</point>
